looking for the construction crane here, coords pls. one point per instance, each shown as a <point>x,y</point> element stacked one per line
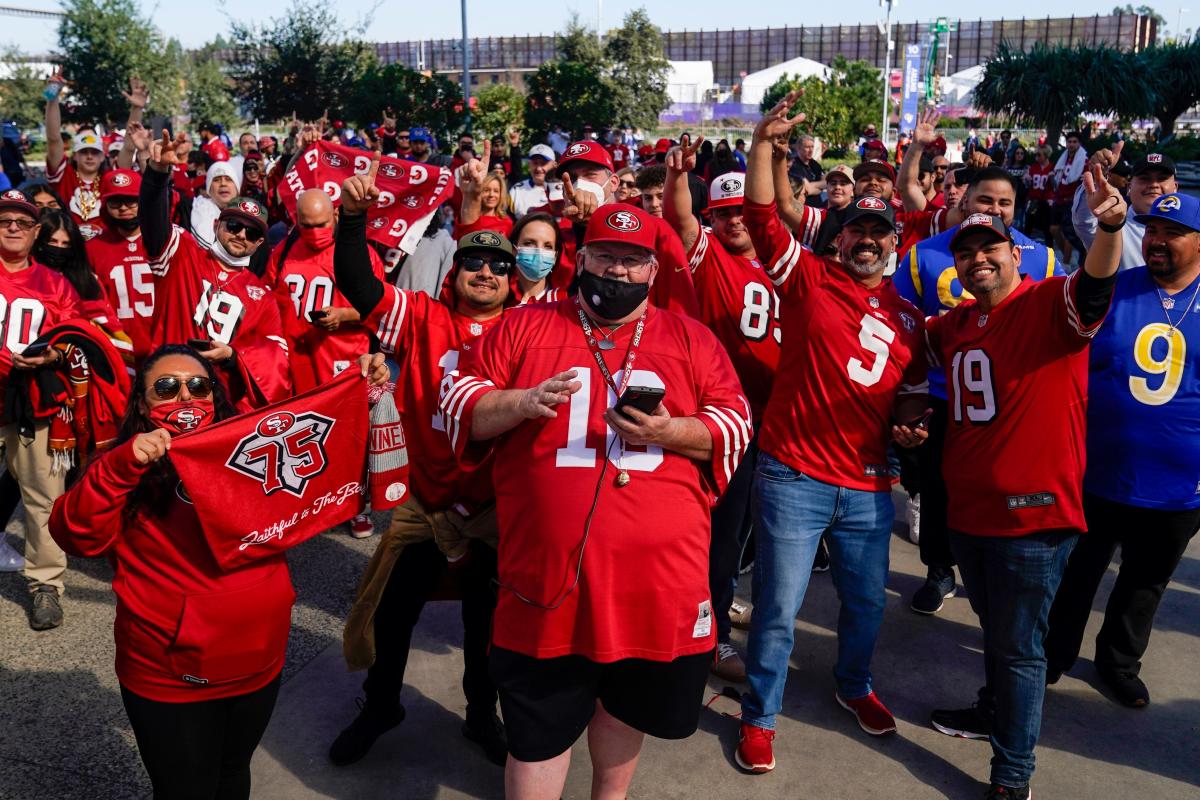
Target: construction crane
<point>30,13</point>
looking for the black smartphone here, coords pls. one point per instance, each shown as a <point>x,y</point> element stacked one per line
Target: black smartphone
<point>643,398</point>
<point>920,423</point>
<point>200,344</point>
<point>316,314</point>
<point>35,350</point>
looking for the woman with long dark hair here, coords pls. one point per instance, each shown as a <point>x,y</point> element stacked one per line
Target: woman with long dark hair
<point>199,650</point>
<point>61,247</point>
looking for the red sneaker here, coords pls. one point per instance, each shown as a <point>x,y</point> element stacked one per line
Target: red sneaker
<point>873,716</point>
<point>361,526</point>
<point>754,751</point>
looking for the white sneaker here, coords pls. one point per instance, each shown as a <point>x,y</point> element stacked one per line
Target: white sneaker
<point>10,559</point>
<point>912,513</point>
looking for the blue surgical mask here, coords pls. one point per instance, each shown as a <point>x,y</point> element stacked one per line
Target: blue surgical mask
<point>535,263</point>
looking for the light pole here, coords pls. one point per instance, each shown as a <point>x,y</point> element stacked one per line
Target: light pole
<point>887,66</point>
<point>466,79</point>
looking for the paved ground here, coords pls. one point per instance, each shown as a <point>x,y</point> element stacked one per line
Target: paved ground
<point>65,735</point>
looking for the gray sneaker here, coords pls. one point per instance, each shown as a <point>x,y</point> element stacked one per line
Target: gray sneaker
<point>47,610</point>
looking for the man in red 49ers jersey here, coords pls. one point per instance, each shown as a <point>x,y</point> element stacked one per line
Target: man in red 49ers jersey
<point>118,258</point>
<point>33,299</point>
<point>604,620</point>
<point>1016,361</point>
<point>852,362</point>
<point>76,179</point>
<point>322,330</point>
<point>449,514</point>
<point>738,302</point>
<point>207,293</point>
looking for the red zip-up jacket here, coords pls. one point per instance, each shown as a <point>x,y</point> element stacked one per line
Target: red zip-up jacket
<point>185,630</point>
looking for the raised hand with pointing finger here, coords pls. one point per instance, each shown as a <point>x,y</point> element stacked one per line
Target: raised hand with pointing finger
<point>164,155</point>
<point>682,158</point>
<point>1102,197</point>
<point>359,192</point>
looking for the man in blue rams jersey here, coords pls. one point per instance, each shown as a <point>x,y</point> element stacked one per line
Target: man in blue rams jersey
<point>927,277</point>
<point>1142,486</point>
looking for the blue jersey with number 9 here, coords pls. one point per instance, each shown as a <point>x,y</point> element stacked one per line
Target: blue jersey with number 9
<point>1143,444</point>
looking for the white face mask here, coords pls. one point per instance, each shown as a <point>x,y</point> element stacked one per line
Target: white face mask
<point>224,255</point>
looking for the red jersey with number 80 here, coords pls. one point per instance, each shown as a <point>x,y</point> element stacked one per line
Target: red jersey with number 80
<point>848,351</point>
<point>32,301</point>
<point>643,587</point>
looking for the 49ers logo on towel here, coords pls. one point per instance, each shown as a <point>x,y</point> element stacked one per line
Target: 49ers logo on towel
<point>285,451</point>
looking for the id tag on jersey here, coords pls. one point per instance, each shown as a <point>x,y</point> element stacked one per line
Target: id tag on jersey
<point>703,626</point>
<point>1030,500</point>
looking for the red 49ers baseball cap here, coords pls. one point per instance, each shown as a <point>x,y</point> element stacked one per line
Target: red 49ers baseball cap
<point>585,152</point>
<point>727,190</point>
<point>619,222</point>
<point>120,183</point>
<point>14,200</point>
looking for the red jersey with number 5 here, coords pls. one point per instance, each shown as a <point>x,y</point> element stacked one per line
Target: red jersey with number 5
<point>643,585</point>
<point>303,284</point>
<point>738,302</point>
<point>848,352</point>
<point>32,301</point>
<point>1016,382</point>
<point>427,338</point>
<point>123,271</point>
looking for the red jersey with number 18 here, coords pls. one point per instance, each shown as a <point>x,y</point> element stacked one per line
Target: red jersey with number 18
<point>738,302</point>
<point>1016,383</point>
<point>848,351</point>
<point>643,585</point>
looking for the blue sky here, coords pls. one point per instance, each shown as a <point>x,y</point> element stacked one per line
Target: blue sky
<point>514,17</point>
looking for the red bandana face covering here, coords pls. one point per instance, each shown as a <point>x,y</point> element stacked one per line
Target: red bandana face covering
<point>178,417</point>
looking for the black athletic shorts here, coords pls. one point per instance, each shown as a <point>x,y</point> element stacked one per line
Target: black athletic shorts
<point>548,702</point>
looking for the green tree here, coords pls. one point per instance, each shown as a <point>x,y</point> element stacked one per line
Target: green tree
<point>838,108</point>
<point>566,93</point>
<point>103,44</point>
<point>208,91</point>
<point>637,71</point>
<point>1042,87</point>
<point>498,108</point>
<point>302,63</point>
<point>1145,11</point>
<point>431,101</point>
<point>20,91</point>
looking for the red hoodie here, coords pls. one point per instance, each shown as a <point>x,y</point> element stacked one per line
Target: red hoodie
<point>185,630</point>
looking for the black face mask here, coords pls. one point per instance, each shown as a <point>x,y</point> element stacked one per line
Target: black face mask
<point>611,299</point>
<point>53,257</point>
<point>127,225</point>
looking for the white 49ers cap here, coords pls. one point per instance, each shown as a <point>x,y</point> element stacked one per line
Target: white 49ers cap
<point>727,190</point>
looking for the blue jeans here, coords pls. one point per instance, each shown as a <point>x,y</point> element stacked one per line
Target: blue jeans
<point>791,511</point>
<point>1011,582</point>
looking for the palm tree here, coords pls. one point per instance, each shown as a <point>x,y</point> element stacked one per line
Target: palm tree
<point>1174,72</point>
<point>1043,87</point>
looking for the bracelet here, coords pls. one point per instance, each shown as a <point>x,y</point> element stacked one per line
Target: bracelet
<point>1111,228</point>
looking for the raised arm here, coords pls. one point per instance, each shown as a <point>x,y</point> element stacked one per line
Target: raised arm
<point>925,133</point>
<point>54,143</point>
<point>677,198</point>
<point>154,202</point>
<point>471,178</point>
<point>352,271</point>
<point>760,182</point>
<point>1110,209</point>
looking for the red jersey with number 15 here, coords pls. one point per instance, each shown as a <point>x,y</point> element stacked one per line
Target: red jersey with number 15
<point>738,302</point>
<point>848,351</point>
<point>123,270</point>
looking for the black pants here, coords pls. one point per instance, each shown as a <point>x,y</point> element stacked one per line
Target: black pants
<point>1152,543</point>
<point>935,533</point>
<point>200,751</point>
<point>416,574</point>
<point>731,521</point>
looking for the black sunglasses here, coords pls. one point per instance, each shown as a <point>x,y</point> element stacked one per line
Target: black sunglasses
<point>167,387</point>
<point>475,264</point>
<point>252,234</point>
<point>122,201</point>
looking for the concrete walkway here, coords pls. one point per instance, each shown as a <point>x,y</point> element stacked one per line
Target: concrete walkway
<point>66,736</point>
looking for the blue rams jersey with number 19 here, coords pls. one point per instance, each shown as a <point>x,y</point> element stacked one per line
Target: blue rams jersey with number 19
<point>1144,398</point>
<point>927,279</point>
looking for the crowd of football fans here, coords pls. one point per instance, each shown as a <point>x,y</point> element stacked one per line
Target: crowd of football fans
<point>628,372</point>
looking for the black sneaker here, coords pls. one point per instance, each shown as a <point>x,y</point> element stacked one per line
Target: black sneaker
<point>487,731</point>
<point>47,610</point>
<point>939,584</point>
<point>998,792</point>
<point>1129,689</point>
<point>821,561</point>
<point>966,723</point>
<point>355,741</point>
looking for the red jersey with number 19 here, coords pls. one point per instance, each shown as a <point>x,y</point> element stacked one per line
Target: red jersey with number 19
<point>1016,382</point>
<point>738,302</point>
<point>643,586</point>
<point>848,351</point>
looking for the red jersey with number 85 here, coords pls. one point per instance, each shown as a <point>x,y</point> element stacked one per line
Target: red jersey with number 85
<point>643,586</point>
<point>848,351</point>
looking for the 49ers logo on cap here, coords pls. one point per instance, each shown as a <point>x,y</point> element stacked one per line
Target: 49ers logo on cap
<point>13,194</point>
<point>186,419</point>
<point>285,451</point>
<point>486,239</point>
<point>625,221</point>
<point>121,179</point>
<point>731,186</point>
<point>578,149</point>
<point>249,207</point>
<point>871,204</point>
<point>333,159</point>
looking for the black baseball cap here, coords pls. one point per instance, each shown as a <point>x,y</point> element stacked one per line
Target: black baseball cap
<point>926,165</point>
<point>485,242</point>
<point>868,206</point>
<point>1158,161</point>
<point>981,222</point>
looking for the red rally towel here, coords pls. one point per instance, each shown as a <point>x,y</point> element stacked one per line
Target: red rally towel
<point>268,480</point>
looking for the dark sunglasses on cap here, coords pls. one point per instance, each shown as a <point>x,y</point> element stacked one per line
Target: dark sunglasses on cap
<point>167,387</point>
<point>235,227</point>
<point>499,268</point>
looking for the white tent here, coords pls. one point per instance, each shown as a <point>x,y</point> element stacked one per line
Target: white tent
<point>755,85</point>
<point>959,88</point>
<point>690,81</point>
